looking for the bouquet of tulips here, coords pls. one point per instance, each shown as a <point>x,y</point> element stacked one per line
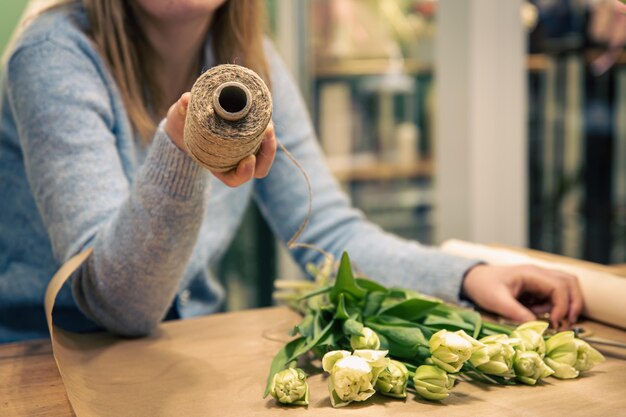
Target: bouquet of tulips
<point>392,340</point>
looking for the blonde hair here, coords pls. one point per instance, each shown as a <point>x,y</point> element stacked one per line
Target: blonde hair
<point>237,30</point>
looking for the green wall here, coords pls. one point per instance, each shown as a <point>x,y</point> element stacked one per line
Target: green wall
<point>10,12</point>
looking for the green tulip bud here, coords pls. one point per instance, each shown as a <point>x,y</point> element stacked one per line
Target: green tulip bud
<point>393,379</point>
<point>368,340</point>
<point>530,335</point>
<point>432,382</point>
<point>450,350</point>
<point>561,355</point>
<point>289,387</point>
<point>587,357</point>
<point>496,357</point>
<point>353,376</point>
<point>529,367</point>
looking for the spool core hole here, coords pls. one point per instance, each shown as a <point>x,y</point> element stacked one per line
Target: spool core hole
<point>233,99</point>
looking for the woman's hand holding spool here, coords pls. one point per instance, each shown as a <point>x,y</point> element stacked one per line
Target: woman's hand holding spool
<point>252,166</point>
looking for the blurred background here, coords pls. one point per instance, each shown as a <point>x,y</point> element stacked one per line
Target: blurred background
<point>486,120</point>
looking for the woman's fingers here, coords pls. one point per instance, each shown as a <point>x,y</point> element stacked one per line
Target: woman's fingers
<point>562,290</point>
<point>242,174</point>
<point>265,156</point>
<point>560,303</point>
<point>506,305</point>
<point>175,122</point>
<point>184,103</point>
<point>541,309</point>
<point>252,166</point>
<point>576,295</point>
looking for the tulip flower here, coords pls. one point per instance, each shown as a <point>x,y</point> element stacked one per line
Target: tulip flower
<point>432,382</point>
<point>587,357</point>
<point>529,367</point>
<point>530,335</point>
<point>289,387</point>
<point>368,340</point>
<point>393,379</point>
<point>496,358</point>
<point>561,355</point>
<point>450,350</point>
<point>353,376</point>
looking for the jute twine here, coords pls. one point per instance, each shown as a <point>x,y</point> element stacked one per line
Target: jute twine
<point>229,110</point>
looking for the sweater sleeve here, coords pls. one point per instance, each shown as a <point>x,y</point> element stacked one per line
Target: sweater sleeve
<point>142,233</point>
<point>335,225</point>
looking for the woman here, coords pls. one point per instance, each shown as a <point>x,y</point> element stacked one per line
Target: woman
<point>85,165</point>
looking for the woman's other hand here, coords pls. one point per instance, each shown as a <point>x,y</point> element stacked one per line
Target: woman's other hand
<point>252,166</point>
<point>505,289</point>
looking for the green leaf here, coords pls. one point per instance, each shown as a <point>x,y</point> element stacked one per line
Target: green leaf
<point>394,296</point>
<point>330,339</point>
<point>416,294</point>
<point>318,291</point>
<point>452,324</point>
<point>369,285</point>
<point>345,282</point>
<point>393,321</point>
<point>410,367</point>
<point>456,318</point>
<point>398,322</point>
<point>317,325</point>
<point>352,327</point>
<point>474,318</point>
<point>493,328</point>
<point>305,327</point>
<point>309,344</point>
<point>373,302</point>
<point>282,358</point>
<point>402,341</point>
<point>397,293</point>
<point>411,309</point>
<point>341,312</point>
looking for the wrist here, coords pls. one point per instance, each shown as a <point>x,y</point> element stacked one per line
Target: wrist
<point>175,137</point>
<point>468,279</point>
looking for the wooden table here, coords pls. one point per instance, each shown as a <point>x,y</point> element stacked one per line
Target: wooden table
<point>30,384</point>
<point>618,269</point>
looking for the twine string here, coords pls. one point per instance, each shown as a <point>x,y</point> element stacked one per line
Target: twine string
<point>291,244</point>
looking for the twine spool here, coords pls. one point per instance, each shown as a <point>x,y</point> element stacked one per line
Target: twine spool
<point>229,110</point>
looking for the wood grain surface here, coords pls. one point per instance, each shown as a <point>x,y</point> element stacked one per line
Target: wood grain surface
<point>241,346</point>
